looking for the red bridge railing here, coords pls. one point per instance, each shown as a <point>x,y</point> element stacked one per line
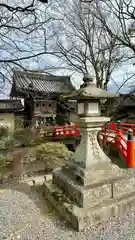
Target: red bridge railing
<point>113,133</point>
<point>61,131</point>
<point>114,126</point>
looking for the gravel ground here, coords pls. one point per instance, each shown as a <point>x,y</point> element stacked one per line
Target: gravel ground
<point>24,216</point>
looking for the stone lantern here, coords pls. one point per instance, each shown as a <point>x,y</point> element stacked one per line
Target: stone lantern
<point>90,189</point>
<point>89,99</point>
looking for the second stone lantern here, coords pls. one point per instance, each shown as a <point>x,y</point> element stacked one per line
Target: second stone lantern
<point>90,188</point>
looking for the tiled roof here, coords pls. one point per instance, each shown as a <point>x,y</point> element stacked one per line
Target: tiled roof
<point>7,105</point>
<point>40,82</point>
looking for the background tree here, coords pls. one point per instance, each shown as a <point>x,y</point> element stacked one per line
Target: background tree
<point>84,44</point>
<point>26,34</point>
<point>118,19</point>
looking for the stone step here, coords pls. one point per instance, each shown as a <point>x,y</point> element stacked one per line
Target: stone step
<point>98,173</point>
<point>82,196</point>
<point>37,180</point>
<point>94,193</point>
<point>81,218</point>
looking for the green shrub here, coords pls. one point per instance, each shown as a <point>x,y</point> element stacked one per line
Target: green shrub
<point>4,163</point>
<point>4,131</point>
<point>37,140</point>
<point>53,154</point>
<point>9,143</point>
<point>26,137</point>
<point>22,136</point>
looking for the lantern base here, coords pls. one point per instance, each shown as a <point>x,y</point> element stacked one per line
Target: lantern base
<point>96,174</point>
<point>86,197</point>
<point>81,218</point>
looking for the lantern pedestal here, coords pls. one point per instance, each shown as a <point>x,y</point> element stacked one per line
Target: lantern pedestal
<point>91,189</point>
<point>89,152</point>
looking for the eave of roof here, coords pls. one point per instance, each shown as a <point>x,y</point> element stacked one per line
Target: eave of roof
<point>23,82</point>
<point>10,105</point>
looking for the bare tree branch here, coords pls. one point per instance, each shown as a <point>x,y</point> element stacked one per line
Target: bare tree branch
<point>84,43</point>
<point>26,34</point>
<point>117,17</point>
<point>27,8</point>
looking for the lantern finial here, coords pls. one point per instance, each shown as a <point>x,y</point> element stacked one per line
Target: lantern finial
<point>87,80</point>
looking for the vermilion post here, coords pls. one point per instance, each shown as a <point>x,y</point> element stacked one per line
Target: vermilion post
<point>118,133</point>
<point>118,127</point>
<point>104,136</point>
<point>130,149</point>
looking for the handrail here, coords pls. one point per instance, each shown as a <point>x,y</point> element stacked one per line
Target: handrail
<point>116,141</point>
<point>124,126</point>
<point>55,131</point>
<point>125,147</point>
<point>120,146</point>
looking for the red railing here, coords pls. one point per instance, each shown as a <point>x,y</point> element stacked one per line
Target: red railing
<point>121,145</point>
<point>61,131</point>
<point>123,126</point>
<point>124,146</point>
<point>67,131</point>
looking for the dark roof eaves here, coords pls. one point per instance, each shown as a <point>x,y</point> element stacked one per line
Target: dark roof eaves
<point>12,105</point>
<point>10,110</point>
<point>42,76</point>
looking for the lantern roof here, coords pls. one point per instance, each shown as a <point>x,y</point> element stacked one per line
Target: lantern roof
<point>89,90</point>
